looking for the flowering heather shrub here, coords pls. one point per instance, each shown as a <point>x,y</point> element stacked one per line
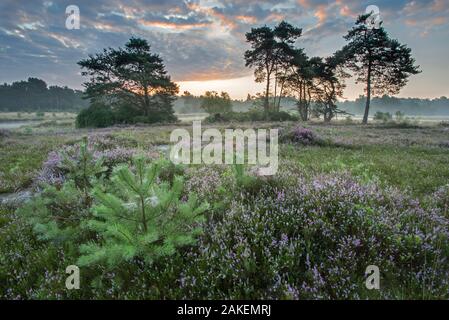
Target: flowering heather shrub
<point>206,182</point>
<point>4,133</point>
<point>300,135</point>
<point>314,240</point>
<point>440,200</point>
<point>444,144</point>
<point>112,150</point>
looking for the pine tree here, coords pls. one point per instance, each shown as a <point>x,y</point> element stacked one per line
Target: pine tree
<point>380,62</point>
<point>83,170</point>
<point>141,217</point>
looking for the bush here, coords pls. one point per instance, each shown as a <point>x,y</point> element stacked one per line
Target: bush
<point>95,116</point>
<point>99,115</point>
<point>4,133</point>
<point>57,212</point>
<point>110,149</point>
<point>252,115</point>
<point>301,136</point>
<point>383,116</point>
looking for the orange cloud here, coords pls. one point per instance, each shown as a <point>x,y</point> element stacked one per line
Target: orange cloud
<point>275,17</point>
<point>247,19</point>
<point>321,14</point>
<point>438,21</point>
<point>172,25</point>
<point>439,5</point>
<point>211,12</point>
<point>345,11</point>
<point>304,3</point>
<point>411,22</point>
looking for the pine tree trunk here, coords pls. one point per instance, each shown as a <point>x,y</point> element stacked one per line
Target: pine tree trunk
<point>147,102</point>
<point>368,95</point>
<point>267,95</point>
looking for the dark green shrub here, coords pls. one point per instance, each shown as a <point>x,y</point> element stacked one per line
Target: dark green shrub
<point>252,115</point>
<point>383,116</point>
<point>96,116</point>
<point>125,113</point>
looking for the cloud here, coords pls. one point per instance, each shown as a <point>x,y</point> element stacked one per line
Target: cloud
<point>198,39</point>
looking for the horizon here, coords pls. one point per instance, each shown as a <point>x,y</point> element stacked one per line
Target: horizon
<point>202,42</point>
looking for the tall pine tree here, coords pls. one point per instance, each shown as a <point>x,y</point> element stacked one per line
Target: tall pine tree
<point>383,64</point>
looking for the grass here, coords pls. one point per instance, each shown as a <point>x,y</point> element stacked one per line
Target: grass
<point>419,170</point>
<point>20,157</point>
<point>406,158</point>
<point>25,116</point>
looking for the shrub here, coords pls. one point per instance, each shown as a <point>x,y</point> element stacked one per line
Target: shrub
<point>4,133</point>
<point>300,135</point>
<point>383,116</point>
<point>444,144</point>
<point>399,116</point>
<point>95,116</point>
<point>57,213</point>
<point>252,115</point>
<point>112,150</point>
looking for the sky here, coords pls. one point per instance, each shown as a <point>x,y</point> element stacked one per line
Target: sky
<point>202,42</point>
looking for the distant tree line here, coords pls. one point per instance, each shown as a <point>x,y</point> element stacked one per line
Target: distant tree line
<point>408,106</point>
<point>189,103</point>
<point>34,95</point>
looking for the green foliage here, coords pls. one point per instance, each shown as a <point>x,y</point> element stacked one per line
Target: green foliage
<point>33,94</point>
<point>131,76</point>
<point>271,51</point>
<point>380,62</point>
<point>242,179</point>
<point>214,103</point>
<point>383,116</point>
<point>400,116</point>
<point>141,218</point>
<point>83,170</point>
<point>57,213</point>
<point>252,115</point>
<point>96,116</point>
<point>99,115</point>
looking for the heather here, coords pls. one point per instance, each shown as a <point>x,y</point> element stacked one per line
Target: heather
<point>301,136</point>
<point>371,196</point>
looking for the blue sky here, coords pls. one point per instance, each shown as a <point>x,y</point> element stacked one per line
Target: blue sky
<point>202,41</point>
